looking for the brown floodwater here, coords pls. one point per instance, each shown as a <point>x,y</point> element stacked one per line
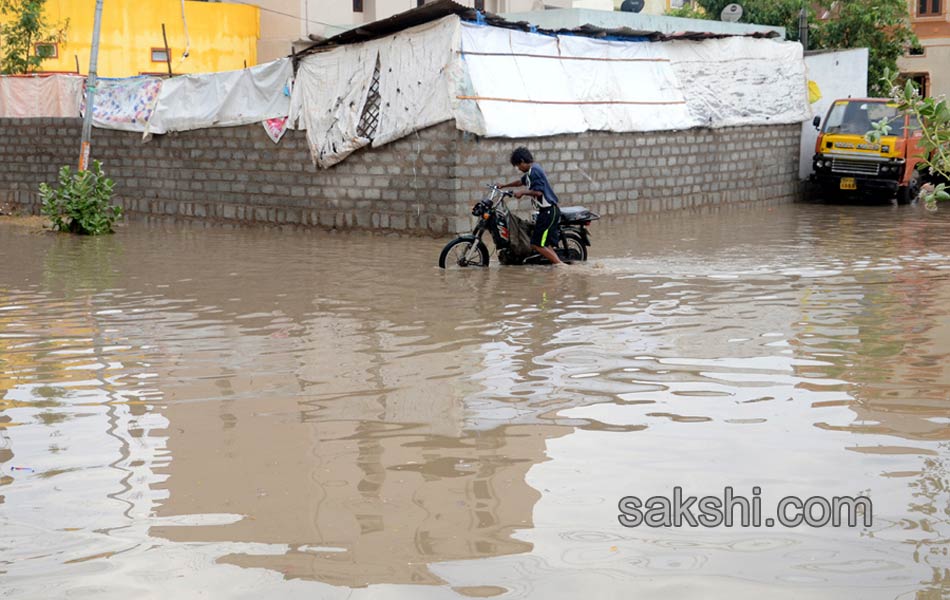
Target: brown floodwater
<point>246,413</point>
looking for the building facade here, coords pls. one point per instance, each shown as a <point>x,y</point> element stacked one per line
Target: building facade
<point>287,24</point>
<point>929,64</point>
<point>206,37</point>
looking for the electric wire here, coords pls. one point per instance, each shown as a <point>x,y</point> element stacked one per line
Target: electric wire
<point>277,12</point>
<point>184,22</point>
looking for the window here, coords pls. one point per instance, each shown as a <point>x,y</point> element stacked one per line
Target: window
<point>159,55</point>
<point>928,7</point>
<point>357,5</point>
<point>921,80</point>
<point>46,50</point>
<point>856,117</point>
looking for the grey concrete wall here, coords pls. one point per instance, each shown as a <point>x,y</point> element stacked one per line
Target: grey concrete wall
<point>649,172</point>
<point>423,183</point>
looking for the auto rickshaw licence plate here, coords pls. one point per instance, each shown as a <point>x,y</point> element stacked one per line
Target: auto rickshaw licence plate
<point>848,183</point>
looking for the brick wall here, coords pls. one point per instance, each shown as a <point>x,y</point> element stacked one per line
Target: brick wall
<point>424,183</point>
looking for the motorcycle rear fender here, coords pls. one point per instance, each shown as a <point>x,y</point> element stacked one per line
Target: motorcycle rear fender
<point>581,231</point>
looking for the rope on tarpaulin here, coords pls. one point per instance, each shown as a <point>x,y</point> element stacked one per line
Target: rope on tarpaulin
<point>568,102</point>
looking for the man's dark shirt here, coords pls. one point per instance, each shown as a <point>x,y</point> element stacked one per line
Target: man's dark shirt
<point>536,180</point>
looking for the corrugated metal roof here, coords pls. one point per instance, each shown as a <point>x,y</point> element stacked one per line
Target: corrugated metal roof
<point>433,11</point>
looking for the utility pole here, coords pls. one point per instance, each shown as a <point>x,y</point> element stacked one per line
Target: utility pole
<point>803,27</point>
<point>90,91</point>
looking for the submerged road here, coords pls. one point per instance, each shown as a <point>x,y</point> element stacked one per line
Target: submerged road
<point>221,413</point>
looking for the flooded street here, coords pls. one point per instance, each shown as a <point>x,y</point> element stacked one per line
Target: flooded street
<point>251,413</point>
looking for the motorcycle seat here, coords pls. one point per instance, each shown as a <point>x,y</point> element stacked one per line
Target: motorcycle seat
<point>572,214</point>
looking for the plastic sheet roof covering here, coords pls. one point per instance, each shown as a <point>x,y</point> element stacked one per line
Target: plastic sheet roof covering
<point>433,11</point>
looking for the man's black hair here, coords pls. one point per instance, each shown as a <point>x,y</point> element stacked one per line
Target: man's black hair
<point>521,155</point>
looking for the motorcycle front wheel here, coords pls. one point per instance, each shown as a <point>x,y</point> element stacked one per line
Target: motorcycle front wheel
<point>459,254</point>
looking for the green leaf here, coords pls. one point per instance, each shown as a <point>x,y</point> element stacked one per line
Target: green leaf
<point>81,203</point>
<point>910,90</point>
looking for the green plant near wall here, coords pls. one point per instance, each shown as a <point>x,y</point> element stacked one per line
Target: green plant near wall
<point>81,203</point>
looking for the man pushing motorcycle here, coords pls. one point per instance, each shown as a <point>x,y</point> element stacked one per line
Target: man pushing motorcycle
<point>547,231</point>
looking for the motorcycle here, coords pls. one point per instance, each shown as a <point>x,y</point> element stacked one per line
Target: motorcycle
<point>511,235</point>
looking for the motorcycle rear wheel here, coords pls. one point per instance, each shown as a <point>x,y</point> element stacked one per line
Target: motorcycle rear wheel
<point>572,248</point>
<point>458,254</point>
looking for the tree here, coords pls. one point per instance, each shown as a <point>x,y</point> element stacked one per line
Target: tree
<point>881,26</point>
<point>778,13</point>
<point>687,11</point>
<point>20,35</point>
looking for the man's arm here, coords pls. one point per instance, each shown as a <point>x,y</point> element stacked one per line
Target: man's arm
<point>536,193</point>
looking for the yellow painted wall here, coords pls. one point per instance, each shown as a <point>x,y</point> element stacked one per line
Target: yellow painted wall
<point>223,36</point>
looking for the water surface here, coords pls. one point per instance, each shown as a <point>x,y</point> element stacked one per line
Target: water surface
<point>230,413</point>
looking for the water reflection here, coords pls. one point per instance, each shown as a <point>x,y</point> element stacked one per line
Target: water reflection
<point>283,413</point>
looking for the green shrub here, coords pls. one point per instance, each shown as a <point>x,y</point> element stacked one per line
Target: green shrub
<point>933,115</point>
<point>81,202</point>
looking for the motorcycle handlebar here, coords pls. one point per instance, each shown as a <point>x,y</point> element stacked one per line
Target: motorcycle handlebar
<point>499,190</point>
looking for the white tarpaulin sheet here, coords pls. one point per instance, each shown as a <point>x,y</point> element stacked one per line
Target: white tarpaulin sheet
<point>533,85</point>
<point>528,84</point>
<point>521,86</point>
<point>329,94</point>
<point>223,99</point>
<point>505,83</point>
<point>26,97</point>
<point>742,80</point>
<point>333,88</point>
<point>415,78</point>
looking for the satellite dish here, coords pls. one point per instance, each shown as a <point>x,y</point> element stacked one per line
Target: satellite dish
<point>731,13</point>
<point>633,6</point>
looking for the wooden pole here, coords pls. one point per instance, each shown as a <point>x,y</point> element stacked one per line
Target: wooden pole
<point>168,53</point>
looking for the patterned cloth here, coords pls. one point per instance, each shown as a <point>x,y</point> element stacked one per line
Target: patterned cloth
<point>275,128</point>
<point>126,103</point>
